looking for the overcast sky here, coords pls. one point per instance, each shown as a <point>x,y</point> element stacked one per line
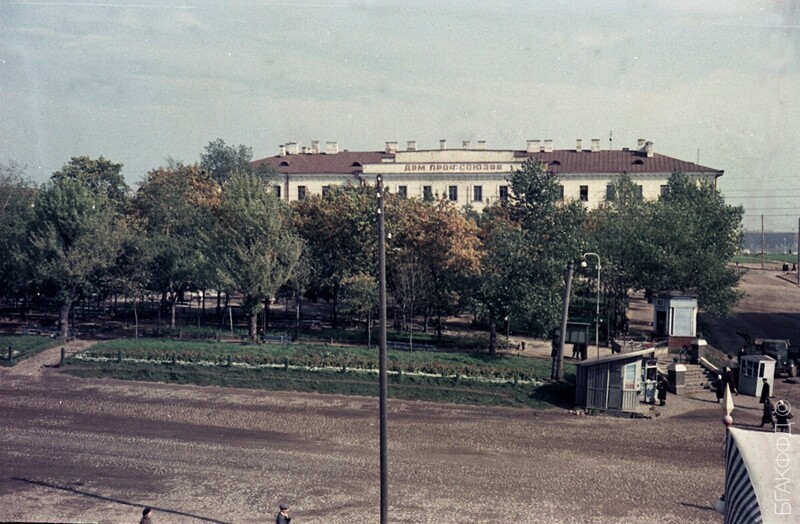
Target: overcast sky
<point>139,81</point>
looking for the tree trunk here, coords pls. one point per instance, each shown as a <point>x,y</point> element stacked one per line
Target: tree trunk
<point>219,306</point>
<point>492,336</point>
<point>297,317</point>
<point>438,326</point>
<point>253,327</point>
<point>63,319</point>
<point>335,319</point>
<point>135,320</point>
<point>266,315</point>
<point>172,308</point>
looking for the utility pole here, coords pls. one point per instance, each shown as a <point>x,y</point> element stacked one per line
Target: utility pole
<point>762,241</point>
<point>559,361</point>
<point>382,357</point>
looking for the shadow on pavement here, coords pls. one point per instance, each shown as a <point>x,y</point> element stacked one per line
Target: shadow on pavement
<point>697,506</point>
<point>109,499</point>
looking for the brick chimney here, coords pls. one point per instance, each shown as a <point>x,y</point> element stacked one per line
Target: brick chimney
<point>315,147</point>
<point>579,145</point>
<point>595,145</point>
<point>640,144</point>
<point>411,145</point>
<point>391,147</point>
<point>331,148</point>
<point>533,146</point>
<point>465,144</point>
<point>442,144</point>
<point>548,145</point>
<point>283,150</point>
<point>648,147</point>
<point>292,148</point>
<point>481,144</point>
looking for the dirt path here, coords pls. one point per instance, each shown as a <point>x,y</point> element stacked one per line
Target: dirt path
<point>38,364</point>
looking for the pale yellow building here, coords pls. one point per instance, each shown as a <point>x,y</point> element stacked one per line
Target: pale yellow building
<point>474,174</point>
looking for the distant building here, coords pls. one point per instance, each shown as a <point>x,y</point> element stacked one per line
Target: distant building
<point>475,175</point>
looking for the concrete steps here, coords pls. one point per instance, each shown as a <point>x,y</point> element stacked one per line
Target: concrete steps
<point>695,378</point>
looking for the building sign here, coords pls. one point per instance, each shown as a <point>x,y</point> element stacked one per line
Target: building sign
<point>455,167</point>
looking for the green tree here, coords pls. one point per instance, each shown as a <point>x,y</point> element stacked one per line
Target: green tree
<point>341,233</point>
<point>254,249</point>
<point>223,161</point>
<point>101,176</point>
<point>172,204</point>
<point>528,240</point>
<point>620,232</point>
<point>360,299</point>
<point>17,195</point>
<point>74,238</point>
<point>696,235</point>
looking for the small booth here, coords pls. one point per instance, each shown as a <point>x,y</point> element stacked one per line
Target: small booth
<point>675,318</point>
<point>753,369</point>
<point>612,383</point>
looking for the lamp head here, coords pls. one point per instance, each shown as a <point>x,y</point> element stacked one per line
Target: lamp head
<point>583,263</point>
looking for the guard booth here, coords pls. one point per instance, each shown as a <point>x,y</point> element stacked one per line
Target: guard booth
<point>649,381</point>
<point>675,318</point>
<point>611,383</point>
<point>753,369</point>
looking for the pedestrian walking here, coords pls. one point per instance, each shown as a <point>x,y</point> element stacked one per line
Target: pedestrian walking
<point>661,389</point>
<point>719,388</point>
<point>283,515</point>
<point>146,513</point>
<point>730,381</point>
<point>764,392</point>
<point>766,417</point>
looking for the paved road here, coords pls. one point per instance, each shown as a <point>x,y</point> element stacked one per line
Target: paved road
<point>98,450</point>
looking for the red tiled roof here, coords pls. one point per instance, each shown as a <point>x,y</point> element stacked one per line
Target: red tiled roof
<point>616,162</point>
<point>559,161</point>
<point>337,163</point>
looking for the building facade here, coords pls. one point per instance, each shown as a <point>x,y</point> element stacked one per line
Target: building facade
<point>475,176</point>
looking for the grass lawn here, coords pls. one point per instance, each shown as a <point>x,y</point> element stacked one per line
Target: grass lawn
<point>469,378</point>
<point>23,346</point>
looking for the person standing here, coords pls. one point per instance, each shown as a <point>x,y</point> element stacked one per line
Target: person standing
<point>764,391</point>
<point>661,389</point>
<point>146,513</point>
<point>719,388</point>
<point>283,515</point>
<point>727,377</point>
<point>766,417</point>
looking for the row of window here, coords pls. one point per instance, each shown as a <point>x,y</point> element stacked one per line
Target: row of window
<point>477,192</point>
<point>402,192</point>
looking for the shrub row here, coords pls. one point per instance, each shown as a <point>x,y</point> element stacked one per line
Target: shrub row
<point>319,356</point>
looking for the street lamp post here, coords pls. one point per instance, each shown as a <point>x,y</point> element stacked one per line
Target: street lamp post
<point>597,317</point>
